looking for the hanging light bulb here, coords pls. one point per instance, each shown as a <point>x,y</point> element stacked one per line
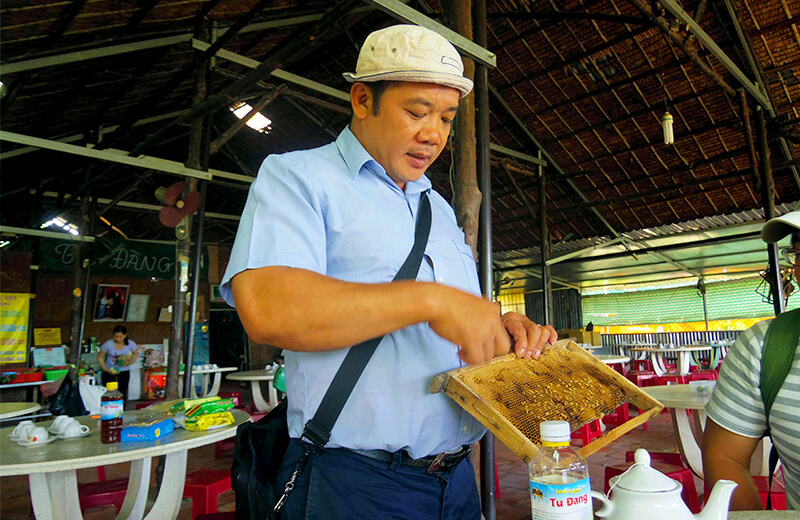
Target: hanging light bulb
<point>666,125</point>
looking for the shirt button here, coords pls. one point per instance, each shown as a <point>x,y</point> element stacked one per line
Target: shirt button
<point>465,429</point>
<point>440,279</point>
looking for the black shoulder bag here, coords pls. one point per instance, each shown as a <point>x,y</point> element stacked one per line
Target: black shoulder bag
<point>780,345</point>
<point>261,446</point>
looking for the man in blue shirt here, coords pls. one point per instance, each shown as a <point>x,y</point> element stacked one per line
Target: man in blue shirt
<point>323,233</point>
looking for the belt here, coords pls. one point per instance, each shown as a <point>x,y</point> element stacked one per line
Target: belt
<point>440,463</point>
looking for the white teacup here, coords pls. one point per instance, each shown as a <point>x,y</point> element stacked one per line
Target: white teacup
<point>75,429</point>
<point>38,435</point>
<point>60,423</point>
<point>22,430</point>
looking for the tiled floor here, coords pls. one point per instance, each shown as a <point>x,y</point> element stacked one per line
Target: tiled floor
<point>513,503</point>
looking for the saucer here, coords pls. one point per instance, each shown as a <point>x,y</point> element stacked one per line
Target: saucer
<point>61,436</point>
<point>29,444</point>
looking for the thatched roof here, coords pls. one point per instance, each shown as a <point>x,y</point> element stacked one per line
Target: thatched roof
<point>589,80</point>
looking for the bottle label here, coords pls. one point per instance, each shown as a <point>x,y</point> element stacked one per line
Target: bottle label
<point>111,409</point>
<point>561,501</point>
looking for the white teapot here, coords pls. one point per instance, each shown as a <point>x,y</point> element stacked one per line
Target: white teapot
<point>643,488</point>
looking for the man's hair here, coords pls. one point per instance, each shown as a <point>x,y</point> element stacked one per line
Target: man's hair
<point>377,88</point>
<point>796,238</point>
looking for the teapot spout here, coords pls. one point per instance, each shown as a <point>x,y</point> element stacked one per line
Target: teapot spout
<point>718,502</point>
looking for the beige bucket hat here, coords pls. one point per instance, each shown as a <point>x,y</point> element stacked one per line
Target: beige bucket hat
<point>779,227</point>
<point>410,53</point>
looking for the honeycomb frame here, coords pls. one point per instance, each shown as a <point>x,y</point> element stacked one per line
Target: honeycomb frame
<point>565,383</point>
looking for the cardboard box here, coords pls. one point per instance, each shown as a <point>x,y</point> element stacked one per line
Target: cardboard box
<point>147,433</point>
<point>578,336</point>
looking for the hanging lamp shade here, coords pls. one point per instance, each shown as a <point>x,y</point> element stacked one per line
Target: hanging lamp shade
<point>666,125</point>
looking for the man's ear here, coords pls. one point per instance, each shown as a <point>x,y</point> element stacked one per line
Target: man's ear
<point>360,100</point>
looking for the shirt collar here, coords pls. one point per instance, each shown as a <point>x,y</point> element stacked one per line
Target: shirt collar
<point>357,157</point>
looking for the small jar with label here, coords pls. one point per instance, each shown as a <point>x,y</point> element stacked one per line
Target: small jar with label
<point>559,477</point>
<point>112,406</point>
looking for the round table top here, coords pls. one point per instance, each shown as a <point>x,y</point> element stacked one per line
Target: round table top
<point>89,452</point>
<point>678,396</point>
<point>8,410</point>
<point>762,515</point>
<point>610,360</point>
<point>198,371</point>
<point>252,375</point>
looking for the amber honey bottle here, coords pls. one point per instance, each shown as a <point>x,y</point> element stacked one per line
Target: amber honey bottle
<point>112,406</point>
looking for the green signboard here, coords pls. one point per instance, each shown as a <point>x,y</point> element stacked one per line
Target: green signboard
<point>126,258</point>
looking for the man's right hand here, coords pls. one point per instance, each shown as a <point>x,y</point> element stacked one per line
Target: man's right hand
<point>472,323</point>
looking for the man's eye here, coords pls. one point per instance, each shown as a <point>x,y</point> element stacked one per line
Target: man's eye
<point>446,121</point>
<point>415,115</point>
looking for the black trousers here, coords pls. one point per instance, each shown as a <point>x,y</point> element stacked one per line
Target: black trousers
<point>123,378</point>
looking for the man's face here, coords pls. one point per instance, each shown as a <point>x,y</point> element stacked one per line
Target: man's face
<point>410,129</point>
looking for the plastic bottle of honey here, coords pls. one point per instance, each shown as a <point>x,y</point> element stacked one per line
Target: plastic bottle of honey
<point>111,408</point>
<point>559,477</point>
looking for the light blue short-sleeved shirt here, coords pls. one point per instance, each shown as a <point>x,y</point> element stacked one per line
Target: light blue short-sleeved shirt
<point>334,210</point>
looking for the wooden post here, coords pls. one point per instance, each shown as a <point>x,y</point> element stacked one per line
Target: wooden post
<point>748,137</point>
<point>183,245</point>
<point>768,200</point>
<point>466,195</point>
<point>76,307</point>
<point>544,241</point>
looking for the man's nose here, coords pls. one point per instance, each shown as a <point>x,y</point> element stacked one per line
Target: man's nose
<point>432,133</point>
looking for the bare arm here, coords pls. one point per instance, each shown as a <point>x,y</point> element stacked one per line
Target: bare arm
<point>101,358</point>
<point>726,455</point>
<point>301,310</point>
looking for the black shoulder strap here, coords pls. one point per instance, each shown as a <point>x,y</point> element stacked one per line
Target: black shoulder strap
<point>318,429</point>
<point>780,345</point>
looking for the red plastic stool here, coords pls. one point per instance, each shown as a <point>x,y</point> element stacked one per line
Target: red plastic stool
<point>778,492</point>
<point>618,416</point>
<point>588,432</point>
<point>104,493</point>
<point>222,446</point>
<point>669,378</point>
<point>641,364</point>
<point>703,375</point>
<point>679,473</point>
<point>640,377</point>
<point>204,487</point>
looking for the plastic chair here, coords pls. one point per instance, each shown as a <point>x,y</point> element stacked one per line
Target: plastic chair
<point>103,493</point>
<point>204,487</point>
<point>588,432</point>
<point>640,377</point>
<point>668,378</point>
<point>641,364</point>
<point>703,375</point>
<point>618,416</point>
<point>778,492</point>
<point>679,473</point>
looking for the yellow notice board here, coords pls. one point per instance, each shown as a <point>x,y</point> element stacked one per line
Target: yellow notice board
<point>14,310</point>
<point>47,337</point>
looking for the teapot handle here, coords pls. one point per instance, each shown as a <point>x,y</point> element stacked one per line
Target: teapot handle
<point>607,508</point>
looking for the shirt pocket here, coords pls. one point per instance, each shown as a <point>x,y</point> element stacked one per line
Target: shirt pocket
<point>453,265</point>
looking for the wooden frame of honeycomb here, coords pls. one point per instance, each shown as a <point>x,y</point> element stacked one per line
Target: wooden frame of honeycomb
<point>511,396</point>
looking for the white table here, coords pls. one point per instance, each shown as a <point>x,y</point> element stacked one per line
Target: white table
<point>623,346</point>
<point>9,410</point>
<point>206,373</point>
<point>763,515</point>
<point>51,468</point>
<point>34,384</point>
<point>681,399</point>
<point>255,377</point>
<point>684,357</point>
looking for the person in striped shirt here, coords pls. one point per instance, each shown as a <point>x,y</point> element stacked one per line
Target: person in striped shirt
<point>736,419</point>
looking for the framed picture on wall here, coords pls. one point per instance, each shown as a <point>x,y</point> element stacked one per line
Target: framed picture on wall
<point>110,303</point>
<point>137,307</point>
<point>216,295</point>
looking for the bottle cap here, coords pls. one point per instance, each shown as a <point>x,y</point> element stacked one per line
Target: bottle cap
<point>113,385</point>
<point>554,431</point>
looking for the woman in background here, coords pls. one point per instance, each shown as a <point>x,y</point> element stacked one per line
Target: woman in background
<point>116,357</point>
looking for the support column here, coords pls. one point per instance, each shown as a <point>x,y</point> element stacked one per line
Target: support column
<point>183,244</point>
<point>544,234</point>
<point>204,79</point>
<point>767,199</point>
<point>485,238</point>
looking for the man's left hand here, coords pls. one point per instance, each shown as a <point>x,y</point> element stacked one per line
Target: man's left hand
<point>528,338</point>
